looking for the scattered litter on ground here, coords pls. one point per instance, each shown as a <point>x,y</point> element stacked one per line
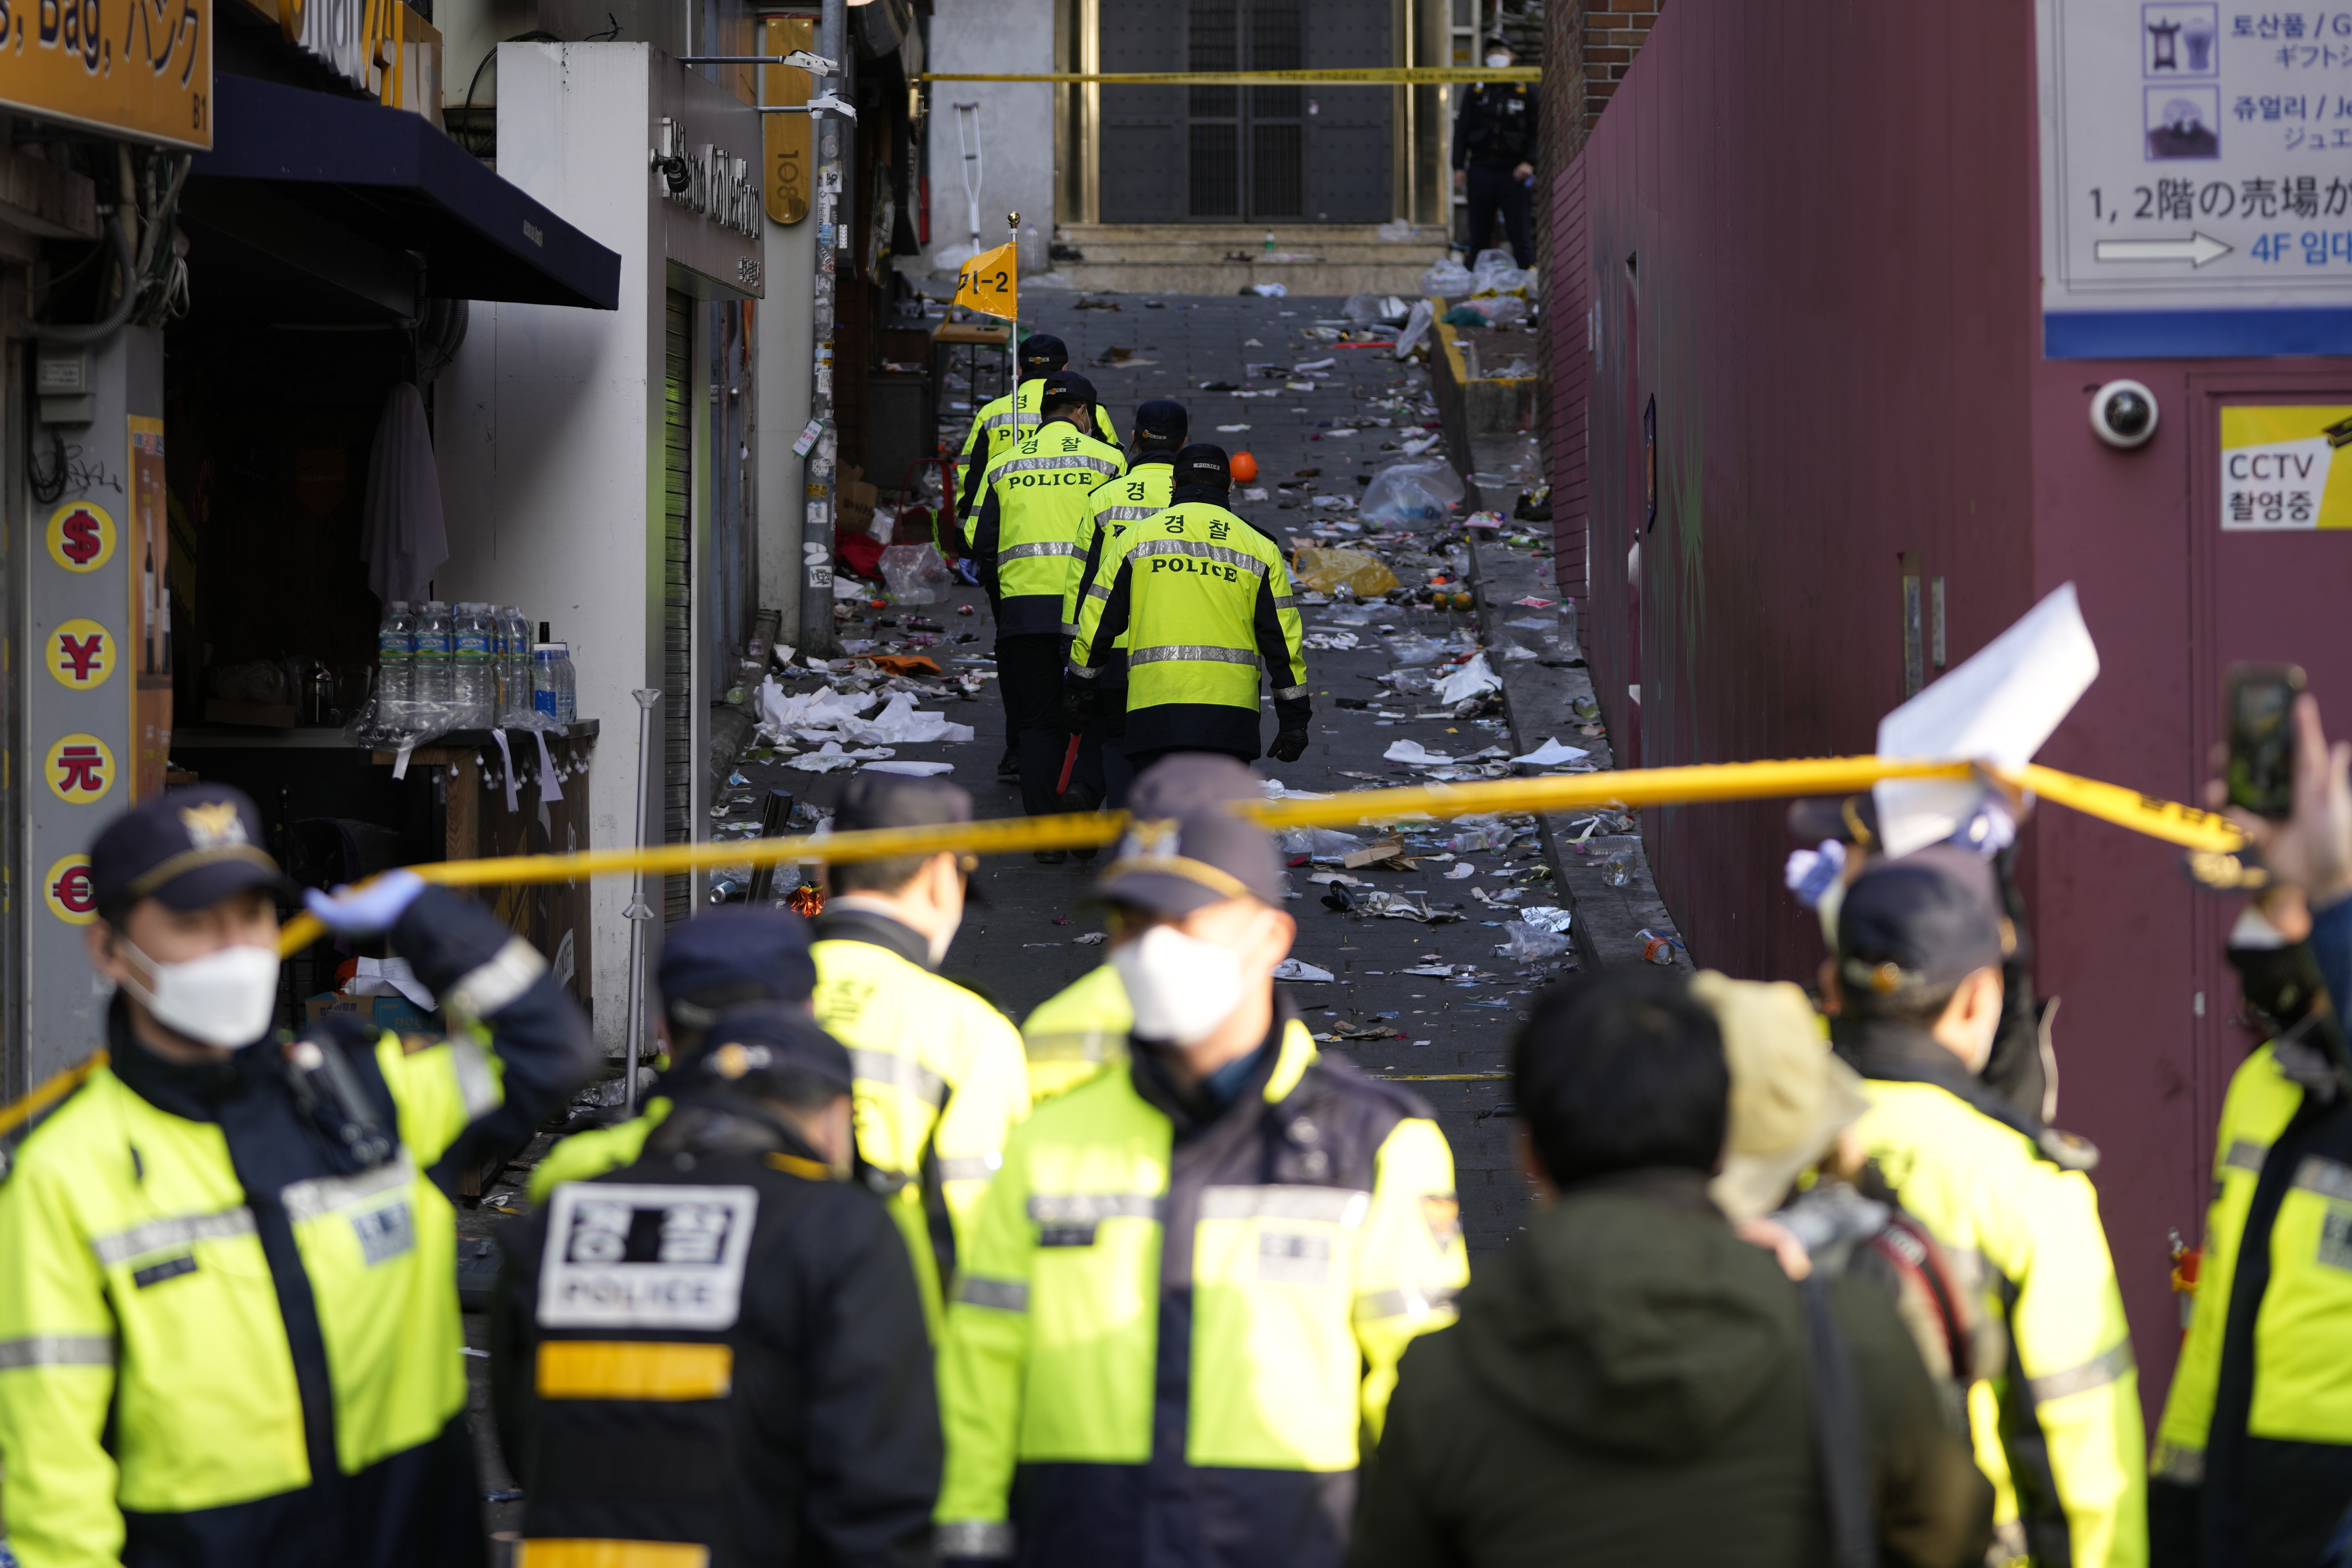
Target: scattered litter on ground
<point>1297,969</point>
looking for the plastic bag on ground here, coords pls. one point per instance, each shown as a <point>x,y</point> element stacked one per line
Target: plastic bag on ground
<point>1495,272</point>
<point>1410,493</point>
<point>1362,309</point>
<point>1531,943</point>
<point>1497,310</point>
<point>898,724</point>
<point>1416,327</point>
<point>1473,680</point>
<point>1325,570</point>
<point>915,573</point>
<point>1449,279</point>
<point>1316,841</point>
<point>1414,651</point>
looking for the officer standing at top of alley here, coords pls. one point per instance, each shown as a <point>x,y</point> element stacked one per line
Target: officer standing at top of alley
<point>1024,543</point>
<point>1104,533</point>
<point>1493,157</point>
<point>228,1319</point>
<point>1203,600</point>
<point>1003,420</point>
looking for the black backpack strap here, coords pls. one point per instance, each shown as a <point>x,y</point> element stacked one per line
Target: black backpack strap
<point>1840,1440</point>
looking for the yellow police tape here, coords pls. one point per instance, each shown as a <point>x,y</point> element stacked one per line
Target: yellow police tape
<point>1365,75</point>
<point>2156,818</point>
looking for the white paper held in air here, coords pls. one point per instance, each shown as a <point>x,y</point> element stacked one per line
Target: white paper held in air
<point>1998,707</point>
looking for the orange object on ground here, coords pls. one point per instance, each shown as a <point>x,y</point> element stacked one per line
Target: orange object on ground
<point>1243,466</point>
<point>901,663</point>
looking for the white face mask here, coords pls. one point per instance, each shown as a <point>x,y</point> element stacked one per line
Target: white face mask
<point>1498,59</point>
<point>1183,987</point>
<point>224,998</point>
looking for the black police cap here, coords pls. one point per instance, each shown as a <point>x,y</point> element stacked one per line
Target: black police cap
<point>1044,352</point>
<point>1067,386</point>
<point>1925,921</point>
<point>1183,849</point>
<point>768,1040</point>
<point>729,957</point>
<point>1161,421</point>
<point>1204,464</point>
<point>189,847</point>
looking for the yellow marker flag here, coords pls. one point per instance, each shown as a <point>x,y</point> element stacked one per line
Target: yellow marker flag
<point>991,283</point>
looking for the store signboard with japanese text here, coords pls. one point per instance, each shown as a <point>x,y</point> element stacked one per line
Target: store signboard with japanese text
<point>138,68</point>
<point>2196,178</point>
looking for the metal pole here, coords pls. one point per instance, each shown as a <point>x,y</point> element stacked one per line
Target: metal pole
<point>834,210</point>
<point>1013,328</point>
<point>639,911</point>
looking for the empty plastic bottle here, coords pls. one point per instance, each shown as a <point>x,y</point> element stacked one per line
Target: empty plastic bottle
<point>514,680</point>
<point>569,712</point>
<point>395,658</point>
<point>437,649</point>
<point>546,681</point>
<point>474,692</point>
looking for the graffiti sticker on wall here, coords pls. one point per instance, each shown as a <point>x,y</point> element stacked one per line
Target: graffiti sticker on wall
<point>2278,468</point>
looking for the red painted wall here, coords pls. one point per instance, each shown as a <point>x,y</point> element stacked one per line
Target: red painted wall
<point>1831,216</point>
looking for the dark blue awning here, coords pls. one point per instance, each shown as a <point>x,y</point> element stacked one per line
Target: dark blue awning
<point>393,179</point>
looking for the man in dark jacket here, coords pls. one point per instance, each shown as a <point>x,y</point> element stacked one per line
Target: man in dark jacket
<point>1630,1383</point>
<point>718,1354</point>
<point>1493,157</point>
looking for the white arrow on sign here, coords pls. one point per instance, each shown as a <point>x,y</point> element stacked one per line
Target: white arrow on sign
<point>2197,249</point>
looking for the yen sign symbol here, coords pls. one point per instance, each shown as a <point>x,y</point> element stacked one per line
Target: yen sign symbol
<point>82,654</point>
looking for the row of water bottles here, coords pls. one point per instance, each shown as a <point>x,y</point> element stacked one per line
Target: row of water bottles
<point>468,666</point>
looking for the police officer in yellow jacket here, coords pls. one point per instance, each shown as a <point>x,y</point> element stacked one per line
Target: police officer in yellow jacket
<point>940,1076</point>
<point>1003,421</point>
<point>1024,543</point>
<point>720,959</point>
<point>1203,600</point>
<point>228,1315</point>
<point>1104,533</point>
<point>2056,1420</point>
<point>1188,1290</point>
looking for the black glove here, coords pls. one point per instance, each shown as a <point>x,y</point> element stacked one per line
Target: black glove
<point>1289,745</point>
<point>1079,703</point>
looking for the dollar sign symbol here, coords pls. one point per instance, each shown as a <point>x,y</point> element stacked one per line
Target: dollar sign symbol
<point>81,544</point>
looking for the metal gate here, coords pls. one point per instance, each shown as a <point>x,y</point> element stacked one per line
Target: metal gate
<point>677,595</point>
<point>1251,155</point>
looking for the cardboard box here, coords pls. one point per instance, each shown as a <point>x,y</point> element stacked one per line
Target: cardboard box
<point>397,1014</point>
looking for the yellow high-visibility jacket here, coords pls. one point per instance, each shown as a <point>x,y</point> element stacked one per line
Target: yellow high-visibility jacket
<point>204,1318</point>
<point>2281,1195</point>
<point>941,1082</point>
<point>2025,1236</point>
<point>1172,1328</point>
<point>1104,534</point>
<point>1002,421</point>
<point>1077,1033</point>
<point>1204,600</point>
<point>1025,538</point>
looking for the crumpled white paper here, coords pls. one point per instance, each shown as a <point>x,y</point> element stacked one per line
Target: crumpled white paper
<point>1473,680</point>
<point>388,977</point>
<point>899,725</point>
<point>1416,755</point>
<point>911,768</point>
<point>831,758</point>
<point>1553,752</point>
<point>1293,969</point>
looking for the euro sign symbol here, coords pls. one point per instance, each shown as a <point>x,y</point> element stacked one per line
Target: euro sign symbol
<point>82,541</point>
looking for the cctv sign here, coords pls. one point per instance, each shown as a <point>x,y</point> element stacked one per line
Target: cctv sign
<point>2278,469</point>
<point>2196,179</point>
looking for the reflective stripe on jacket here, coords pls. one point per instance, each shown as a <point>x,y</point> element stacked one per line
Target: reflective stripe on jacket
<point>1025,538</point>
<point>1205,599</point>
<point>1175,1322</point>
<point>1078,1032</point>
<point>2026,1235</point>
<point>203,1317</point>
<point>941,1082</point>
<point>1006,420</point>
<point>1104,534</point>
